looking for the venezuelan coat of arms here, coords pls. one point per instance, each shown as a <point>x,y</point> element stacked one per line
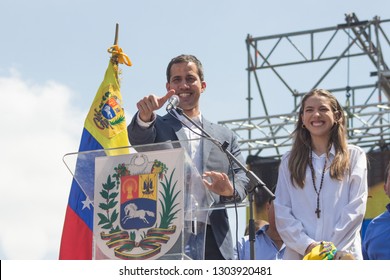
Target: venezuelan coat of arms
<point>138,205</point>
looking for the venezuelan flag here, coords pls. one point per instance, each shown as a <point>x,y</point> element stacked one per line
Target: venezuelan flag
<point>104,128</point>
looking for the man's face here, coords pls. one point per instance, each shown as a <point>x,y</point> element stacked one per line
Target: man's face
<point>188,86</point>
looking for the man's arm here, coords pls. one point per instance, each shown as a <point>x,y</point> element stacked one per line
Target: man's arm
<point>220,179</point>
<point>140,134</point>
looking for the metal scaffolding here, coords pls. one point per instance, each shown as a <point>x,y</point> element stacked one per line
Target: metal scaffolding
<point>347,59</point>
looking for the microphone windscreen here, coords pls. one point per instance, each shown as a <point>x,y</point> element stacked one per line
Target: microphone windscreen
<point>173,102</point>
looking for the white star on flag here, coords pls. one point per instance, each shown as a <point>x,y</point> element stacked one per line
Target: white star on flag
<point>86,203</point>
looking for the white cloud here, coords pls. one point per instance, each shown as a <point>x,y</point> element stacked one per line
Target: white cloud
<point>39,125</point>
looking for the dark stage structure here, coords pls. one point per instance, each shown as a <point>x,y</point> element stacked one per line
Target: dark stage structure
<point>349,59</point>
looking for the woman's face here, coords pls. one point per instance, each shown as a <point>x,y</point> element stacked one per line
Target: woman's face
<point>318,116</point>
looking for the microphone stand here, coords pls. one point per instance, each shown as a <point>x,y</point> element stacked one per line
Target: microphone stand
<point>254,181</point>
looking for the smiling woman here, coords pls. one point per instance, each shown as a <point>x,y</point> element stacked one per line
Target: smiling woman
<point>321,192</point>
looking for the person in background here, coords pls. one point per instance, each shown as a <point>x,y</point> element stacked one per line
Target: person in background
<point>321,191</point>
<point>259,223</point>
<point>227,182</point>
<point>376,243</point>
<point>268,244</point>
<point>261,202</point>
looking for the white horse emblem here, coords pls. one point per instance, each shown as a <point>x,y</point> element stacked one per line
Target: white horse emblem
<point>132,212</point>
<point>107,109</point>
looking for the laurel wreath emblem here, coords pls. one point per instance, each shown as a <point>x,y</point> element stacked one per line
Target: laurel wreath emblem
<point>122,241</point>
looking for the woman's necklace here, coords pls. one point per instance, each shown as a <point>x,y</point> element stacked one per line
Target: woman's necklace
<point>318,211</point>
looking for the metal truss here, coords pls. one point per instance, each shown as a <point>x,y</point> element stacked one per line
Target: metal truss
<point>347,59</point>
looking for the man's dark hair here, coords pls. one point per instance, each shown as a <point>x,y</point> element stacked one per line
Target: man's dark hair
<point>261,196</point>
<point>185,58</point>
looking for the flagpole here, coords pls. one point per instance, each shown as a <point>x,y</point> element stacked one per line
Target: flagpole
<point>116,34</point>
<point>114,57</point>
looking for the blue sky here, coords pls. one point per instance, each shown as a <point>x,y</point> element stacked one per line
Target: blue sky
<point>53,58</point>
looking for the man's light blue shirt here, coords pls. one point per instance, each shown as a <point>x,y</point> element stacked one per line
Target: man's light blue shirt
<point>265,248</point>
<point>376,243</point>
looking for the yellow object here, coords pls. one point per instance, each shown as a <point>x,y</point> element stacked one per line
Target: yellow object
<point>376,199</point>
<point>116,51</point>
<point>342,256</point>
<point>106,118</point>
<point>323,251</point>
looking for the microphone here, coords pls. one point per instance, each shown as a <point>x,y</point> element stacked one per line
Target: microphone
<point>173,102</point>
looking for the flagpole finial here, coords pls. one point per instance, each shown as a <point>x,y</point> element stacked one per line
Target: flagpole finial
<point>116,34</point>
<point>117,55</point>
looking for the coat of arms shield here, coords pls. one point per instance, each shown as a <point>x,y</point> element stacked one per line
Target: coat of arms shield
<point>138,205</point>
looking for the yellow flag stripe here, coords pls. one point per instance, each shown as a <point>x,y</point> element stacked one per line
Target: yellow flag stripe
<point>106,119</point>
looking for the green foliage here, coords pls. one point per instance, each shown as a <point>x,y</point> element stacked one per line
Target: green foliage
<point>118,120</point>
<point>107,220</point>
<point>120,171</point>
<point>132,235</point>
<point>127,247</point>
<point>168,213</point>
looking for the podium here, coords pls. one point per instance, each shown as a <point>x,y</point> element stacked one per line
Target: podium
<point>149,201</point>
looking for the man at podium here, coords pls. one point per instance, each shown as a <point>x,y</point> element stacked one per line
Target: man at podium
<point>227,182</point>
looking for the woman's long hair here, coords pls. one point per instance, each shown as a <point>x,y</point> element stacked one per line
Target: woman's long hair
<point>301,148</point>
